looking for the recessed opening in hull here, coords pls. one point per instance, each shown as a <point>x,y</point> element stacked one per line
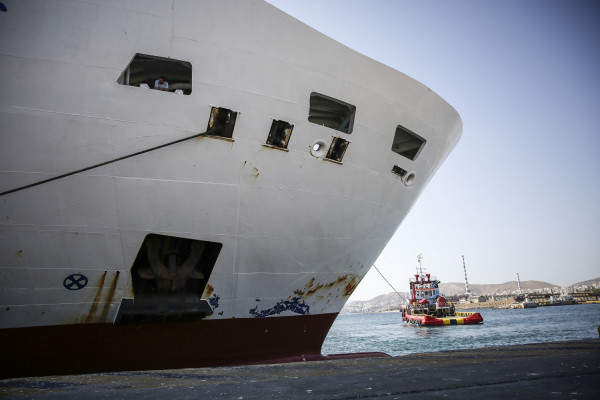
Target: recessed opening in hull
<point>221,122</point>
<point>169,276</point>
<point>399,171</point>
<point>144,70</point>
<point>337,149</point>
<point>407,143</point>
<point>332,113</point>
<point>280,133</point>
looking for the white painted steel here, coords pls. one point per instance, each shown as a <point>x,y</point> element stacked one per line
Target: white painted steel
<point>288,221</point>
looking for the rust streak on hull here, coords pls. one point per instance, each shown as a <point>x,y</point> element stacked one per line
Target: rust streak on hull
<point>109,298</point>
<point>94,307</point>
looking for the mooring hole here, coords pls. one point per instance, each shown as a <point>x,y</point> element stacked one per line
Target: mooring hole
<point>399,171</point>
<point>280,133</point>
<point>337,149</point>
<point>221,122</point>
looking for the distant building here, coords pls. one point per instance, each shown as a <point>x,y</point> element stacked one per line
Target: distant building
<point>469,298</point>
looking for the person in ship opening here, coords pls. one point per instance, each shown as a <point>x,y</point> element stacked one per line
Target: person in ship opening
<point>161,83</point>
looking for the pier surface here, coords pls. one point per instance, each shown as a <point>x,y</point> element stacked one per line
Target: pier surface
<point>559,370</point>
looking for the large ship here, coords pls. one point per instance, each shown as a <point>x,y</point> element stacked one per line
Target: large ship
<point>224,220</point>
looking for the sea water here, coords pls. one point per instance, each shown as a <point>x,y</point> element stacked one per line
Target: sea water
<point>385,332</point>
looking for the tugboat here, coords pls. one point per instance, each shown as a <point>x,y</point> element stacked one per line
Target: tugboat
<point>427,307</point>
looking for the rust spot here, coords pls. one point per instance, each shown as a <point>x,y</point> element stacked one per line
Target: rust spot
<point>94,307</point>
<point>109,297</point>
<point>351,285</point>
<point>208,291</point>
<point>346,284</point>
<point>298,292</point>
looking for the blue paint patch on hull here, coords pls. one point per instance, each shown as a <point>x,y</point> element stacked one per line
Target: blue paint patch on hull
<point>296,305</point>
<point>214,301</point>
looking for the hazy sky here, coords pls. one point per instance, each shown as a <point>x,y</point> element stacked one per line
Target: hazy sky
<point>521,192</point>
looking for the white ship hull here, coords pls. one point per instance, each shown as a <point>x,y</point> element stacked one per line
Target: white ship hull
<point>294,232</point>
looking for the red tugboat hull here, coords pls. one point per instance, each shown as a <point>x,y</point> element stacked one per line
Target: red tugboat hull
<point>460,318</point>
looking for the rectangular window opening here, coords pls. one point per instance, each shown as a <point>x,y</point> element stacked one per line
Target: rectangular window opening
<point>280,133</point>
<point>221,122</point>
<point>332,113</point>
<point>337,149</point>
<point>407,143</point>
<point>145,70</point>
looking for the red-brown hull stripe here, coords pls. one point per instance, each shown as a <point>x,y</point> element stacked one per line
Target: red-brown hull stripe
<point>86,348</point>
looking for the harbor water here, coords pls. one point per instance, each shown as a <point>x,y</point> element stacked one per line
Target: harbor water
<point>385,332</point>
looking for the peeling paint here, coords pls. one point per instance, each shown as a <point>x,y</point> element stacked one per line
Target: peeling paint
<point>214,301</point>
<point>295,304</point>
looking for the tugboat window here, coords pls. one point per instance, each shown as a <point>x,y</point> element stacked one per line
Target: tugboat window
<point>280,134</point>
<point>407,143</point>
<point>337,149</point>
<point>332,113</point>
<point>144,70</point>
<point>221,122</point>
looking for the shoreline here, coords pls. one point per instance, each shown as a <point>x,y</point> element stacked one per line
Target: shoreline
<point>496,305</point>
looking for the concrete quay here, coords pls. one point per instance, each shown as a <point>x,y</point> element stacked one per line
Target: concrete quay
<point>559,370</point>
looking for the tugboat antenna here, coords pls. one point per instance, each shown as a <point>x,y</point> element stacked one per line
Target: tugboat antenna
<point>467,290</point>
<point>420,270</point>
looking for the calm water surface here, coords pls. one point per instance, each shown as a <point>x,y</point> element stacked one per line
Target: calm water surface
<point>387,333</point>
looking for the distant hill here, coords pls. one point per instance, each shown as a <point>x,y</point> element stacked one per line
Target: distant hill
<point>392,300</point>
<point>589,282</point>
<point>380,303</point>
